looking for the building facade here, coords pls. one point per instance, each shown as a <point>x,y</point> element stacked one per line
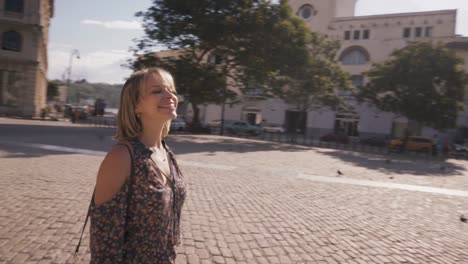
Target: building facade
<point>24,31</point>
<point>364,40</point>
<point>371,39</point>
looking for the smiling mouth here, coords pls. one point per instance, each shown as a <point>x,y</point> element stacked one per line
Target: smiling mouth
<point>171,107</point>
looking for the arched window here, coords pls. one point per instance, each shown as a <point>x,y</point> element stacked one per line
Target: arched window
<point>11,40</point>
<point>306,11</point>
<point>16,6</point>
<point>354,56</point>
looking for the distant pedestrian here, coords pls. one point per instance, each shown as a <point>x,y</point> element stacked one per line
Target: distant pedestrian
<point>439,144</point>
<point>140,190</point>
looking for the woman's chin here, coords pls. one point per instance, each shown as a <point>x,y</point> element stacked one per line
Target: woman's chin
<point>169,115</point>
<point>172,115</point>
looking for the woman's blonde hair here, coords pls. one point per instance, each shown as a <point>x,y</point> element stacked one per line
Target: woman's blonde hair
<point>128,123</point>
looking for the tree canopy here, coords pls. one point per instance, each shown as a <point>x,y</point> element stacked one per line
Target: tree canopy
<point>251,39</point>
<point>423,81</point>
<point>315,83</point>
<point>256,42</point>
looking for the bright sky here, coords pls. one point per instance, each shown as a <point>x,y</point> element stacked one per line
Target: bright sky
<point>102,31</point>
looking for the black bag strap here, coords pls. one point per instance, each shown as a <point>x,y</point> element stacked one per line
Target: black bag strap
<point>92,197</point>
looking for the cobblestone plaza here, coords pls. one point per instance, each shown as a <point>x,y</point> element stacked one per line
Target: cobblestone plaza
<point>248,201</point>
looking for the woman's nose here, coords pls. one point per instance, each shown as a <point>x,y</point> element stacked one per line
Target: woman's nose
<point>170,97</point>
<point>167,94</point>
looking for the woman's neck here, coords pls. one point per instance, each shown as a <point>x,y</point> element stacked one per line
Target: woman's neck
<point>152,135</point>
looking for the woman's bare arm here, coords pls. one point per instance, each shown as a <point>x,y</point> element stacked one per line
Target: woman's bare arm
<point>113,172</point>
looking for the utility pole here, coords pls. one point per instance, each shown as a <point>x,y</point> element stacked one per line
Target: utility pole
<point>73,53</point>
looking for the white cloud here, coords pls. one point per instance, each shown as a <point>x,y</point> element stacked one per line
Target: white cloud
<point>99,66</point>
<point>115,24</point>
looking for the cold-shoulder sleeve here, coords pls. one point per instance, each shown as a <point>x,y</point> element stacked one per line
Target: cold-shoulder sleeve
<point>107,229</point>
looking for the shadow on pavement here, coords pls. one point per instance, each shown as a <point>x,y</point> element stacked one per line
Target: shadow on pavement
<point>15,138</point>
<point>185,144</point>
<point>392,163</point>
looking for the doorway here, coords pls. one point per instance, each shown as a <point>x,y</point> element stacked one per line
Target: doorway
<point>251,118</point>
<point>347,123</point>
<point>295,118</point>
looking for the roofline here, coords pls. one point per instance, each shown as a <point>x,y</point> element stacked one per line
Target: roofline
<point>409,14</point>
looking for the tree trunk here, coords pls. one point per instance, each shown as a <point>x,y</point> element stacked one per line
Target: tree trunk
<point>223,109</point>
<point>196,115</point>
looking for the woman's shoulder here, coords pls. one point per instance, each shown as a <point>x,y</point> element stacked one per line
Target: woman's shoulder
<point>117,158</point>
<point>120,150</point>
<point>113,172</point>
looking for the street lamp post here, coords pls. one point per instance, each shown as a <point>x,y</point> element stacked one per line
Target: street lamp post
<point>73,53</point>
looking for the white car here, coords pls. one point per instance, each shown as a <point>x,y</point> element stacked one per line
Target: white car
<point>273,128</point>
<point>178,125</point>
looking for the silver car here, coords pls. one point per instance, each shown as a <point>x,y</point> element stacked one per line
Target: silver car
<point>178,125</point>
<point>273,128</point>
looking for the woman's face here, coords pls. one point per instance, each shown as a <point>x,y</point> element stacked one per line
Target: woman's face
<point>157,102</point>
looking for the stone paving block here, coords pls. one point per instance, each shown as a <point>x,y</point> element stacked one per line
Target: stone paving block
<point>181,259</point>
<point>203,253</point>
<point>226,252</point>
<point>231,261</point>
<point>19,258</point>
<point>193,259</point>
<point>214,251</point>
<point>283,259</point>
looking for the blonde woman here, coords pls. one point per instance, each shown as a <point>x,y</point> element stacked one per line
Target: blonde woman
<point>140,191</point>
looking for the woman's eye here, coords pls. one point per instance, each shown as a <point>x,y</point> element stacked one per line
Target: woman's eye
<point>157,92</point>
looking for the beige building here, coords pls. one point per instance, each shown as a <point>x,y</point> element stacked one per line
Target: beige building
<point>371,39</point>
<point>24,29</point>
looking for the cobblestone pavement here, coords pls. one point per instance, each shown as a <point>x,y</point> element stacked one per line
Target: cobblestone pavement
<point>248,201</point>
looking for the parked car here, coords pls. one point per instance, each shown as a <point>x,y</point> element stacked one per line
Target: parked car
<point>273,128</point>
<point>178,125</point>
<point>214,123</point>
<point>217,122</point>
<point>413,143</point>
<point>241,127</point>
<point>198,128</point>
<point>374,141</point>
<point>334,137</point>
<point>459,150</point>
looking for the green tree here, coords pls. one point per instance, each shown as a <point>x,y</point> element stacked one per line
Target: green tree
<point>52,90</point>
<point>315,83</point>
<point>254,40</point>
<point>423,81</point>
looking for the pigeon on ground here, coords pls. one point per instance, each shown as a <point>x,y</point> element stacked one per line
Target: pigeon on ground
<point>339,172</point>
<point>391,177</point>
<point>463,219</point>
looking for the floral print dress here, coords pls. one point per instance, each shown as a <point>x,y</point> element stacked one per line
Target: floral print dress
<point>140,224</point>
